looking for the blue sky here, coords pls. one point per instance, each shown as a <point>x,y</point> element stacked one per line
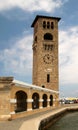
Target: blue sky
<point>16,38</point>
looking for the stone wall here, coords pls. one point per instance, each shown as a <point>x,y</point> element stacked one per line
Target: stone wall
<point>5,97</point>
<point>9,100</point>
<point>41,68</point>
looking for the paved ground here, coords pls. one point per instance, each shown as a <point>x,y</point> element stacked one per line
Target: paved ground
<point>22,123</point>
<point>17,123</point>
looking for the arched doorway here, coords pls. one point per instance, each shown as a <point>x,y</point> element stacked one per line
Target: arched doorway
<point>44,100</point>
<point>35,103</point>
<point>51,100</point>
<point>21,97</point>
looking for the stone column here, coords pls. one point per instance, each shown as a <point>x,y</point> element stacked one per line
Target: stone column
<point>40,102</point>
<point>29,100</point>
<point>48,101</point>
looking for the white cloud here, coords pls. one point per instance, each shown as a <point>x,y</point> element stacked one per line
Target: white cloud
<point>68,50</point>
<point>31,5</point>
<point>18,58</point>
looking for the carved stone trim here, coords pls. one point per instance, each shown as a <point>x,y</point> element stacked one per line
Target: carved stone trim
<point>6,79</point>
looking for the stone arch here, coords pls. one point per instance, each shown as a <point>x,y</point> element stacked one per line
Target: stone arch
<point>35,103</point>
<point>21,98</point>
<point>44,100</point>
<point>48,36</point>
<point>51,100</point>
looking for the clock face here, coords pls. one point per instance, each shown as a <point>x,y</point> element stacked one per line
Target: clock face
<point>48,58</point>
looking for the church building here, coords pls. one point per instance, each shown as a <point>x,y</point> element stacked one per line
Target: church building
<point>19,99</point>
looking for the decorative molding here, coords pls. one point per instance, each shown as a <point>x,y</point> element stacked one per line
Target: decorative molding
<point>41,100</point>
<point>6,79</point>
<point>25,85</point>
<point>12,113</point>
<point>48,100</point>
<point>29,109</point>
<point>13,101</point>
<point>29,100</point>
<point>40,107</point>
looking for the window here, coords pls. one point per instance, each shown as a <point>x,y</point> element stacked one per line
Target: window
<point>44,24</point>
<point>48,47</point>
<point>52,25</point>
<point>48,36</point>
<point>45,47</point>
<point>48,25</point>
<point>43,86</point>
<point>36,39</point>
<point>48,78</point>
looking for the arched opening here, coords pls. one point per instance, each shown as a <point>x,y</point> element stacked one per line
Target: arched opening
<point>21,97</point>
<point>52,25</point>
<point>51,100</point>
<point>44,24</point>
<point>35,103</point>
<point>44,100</point>
<point>48,25</point>
<point>48,36</point>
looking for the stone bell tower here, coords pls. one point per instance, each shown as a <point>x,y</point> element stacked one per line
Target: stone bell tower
<point>45,52</point>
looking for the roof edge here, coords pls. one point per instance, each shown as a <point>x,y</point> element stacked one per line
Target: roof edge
<point>26,85</point>
<point>42,16</point>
